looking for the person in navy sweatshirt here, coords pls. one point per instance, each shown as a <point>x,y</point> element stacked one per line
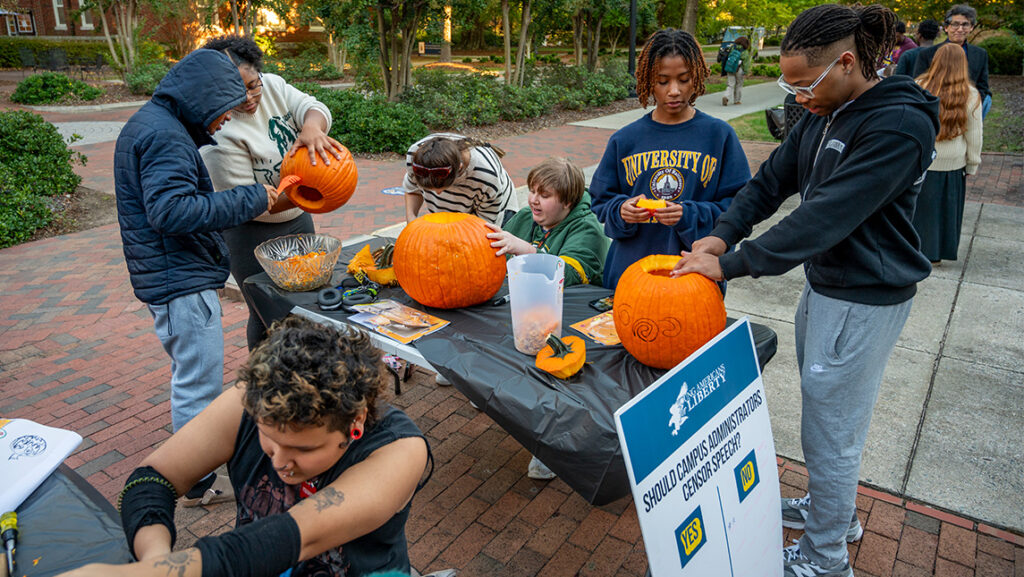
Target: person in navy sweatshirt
<point>676,153</point>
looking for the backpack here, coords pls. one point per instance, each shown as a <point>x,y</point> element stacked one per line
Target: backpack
<point>732,64</point>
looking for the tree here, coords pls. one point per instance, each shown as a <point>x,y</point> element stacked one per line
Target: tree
<point>397,22</point>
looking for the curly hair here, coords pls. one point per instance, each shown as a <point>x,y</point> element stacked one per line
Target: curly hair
<point>442,151</point>
<point>309,375</point>
<point>817,30</point>
<point>947,79</point>
<point>239,49</point>
<point>662,44</point>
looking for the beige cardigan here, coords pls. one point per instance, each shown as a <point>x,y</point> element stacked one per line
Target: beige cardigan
<point>964,151</point>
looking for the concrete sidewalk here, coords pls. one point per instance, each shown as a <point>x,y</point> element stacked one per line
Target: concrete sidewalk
<point>943,474</point>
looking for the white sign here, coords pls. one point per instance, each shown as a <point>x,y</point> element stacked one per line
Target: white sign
<point>701,462</point>
<point>29,452</point>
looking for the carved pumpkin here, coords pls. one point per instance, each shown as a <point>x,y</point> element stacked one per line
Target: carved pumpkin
<point>662,320</point>
<point>321,188</point>
<point>445,260</point>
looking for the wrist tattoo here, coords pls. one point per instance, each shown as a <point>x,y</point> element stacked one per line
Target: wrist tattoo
<point>326,498</point>
<point>177,563</point>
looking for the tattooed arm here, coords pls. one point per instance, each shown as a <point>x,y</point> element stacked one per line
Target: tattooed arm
<point>185,563</point>
<point>358,502</point>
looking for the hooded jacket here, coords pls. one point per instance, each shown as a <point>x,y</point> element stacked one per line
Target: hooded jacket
<point>858,173</point>
<point>579,240</point>
<point>166,206</point>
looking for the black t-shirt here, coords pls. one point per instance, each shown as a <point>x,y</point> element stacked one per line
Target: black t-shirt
<point>260,492</point>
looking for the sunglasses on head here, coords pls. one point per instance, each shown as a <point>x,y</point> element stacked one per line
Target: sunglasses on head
<point>427,172</point>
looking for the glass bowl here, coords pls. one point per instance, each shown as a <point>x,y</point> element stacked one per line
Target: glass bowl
<point>299,262</point>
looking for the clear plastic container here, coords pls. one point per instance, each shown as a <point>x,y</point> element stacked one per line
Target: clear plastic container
<point>535,286</point>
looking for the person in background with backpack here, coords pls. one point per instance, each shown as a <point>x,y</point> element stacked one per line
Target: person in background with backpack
<point>736,65</point>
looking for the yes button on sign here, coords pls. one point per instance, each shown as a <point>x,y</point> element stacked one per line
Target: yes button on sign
<point>690,536</point>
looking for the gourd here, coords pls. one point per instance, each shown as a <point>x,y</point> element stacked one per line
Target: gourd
<point>662,320</point>
<point>563,357</point>
<point>445,260</point>
<point>651,204</point>
<point>377,266</point>
<point>321,188</point>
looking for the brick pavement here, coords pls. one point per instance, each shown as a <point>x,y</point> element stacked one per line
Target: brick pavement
<point>78,351</point>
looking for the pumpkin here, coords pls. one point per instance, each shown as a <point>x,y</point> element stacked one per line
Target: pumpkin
<point>379,270</point>
<point>445,260</point>
<point>662,320</point>
<point>321,188</point>
<point>651,204</point>
<point>562,357</point>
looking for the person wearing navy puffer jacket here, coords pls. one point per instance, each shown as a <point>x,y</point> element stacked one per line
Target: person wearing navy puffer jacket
<point>170,218</point>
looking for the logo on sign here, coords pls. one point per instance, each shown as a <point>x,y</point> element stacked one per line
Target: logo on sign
<point>746,475</point>
<point>690,536</point>
<point>678,411</point>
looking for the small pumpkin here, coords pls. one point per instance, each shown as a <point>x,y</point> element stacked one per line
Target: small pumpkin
<point>562,357</point>
<point>651,204</point>
<point>379,269</point>
<point>321,188</point>
<point>662,320</point>
<point>445,260</point>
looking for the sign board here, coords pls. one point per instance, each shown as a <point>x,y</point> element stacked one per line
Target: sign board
<point>701,461</point>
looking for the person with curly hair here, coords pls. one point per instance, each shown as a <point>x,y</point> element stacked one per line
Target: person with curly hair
<point>857,162</point>
<point>448,172</point>
<point>325,472</point>
<point>676,154</point>
<point>275,121</point>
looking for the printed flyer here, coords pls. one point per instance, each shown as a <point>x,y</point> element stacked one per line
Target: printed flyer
<point>29,452</point>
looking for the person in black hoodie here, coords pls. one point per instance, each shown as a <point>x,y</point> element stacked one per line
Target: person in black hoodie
<point>857,162</point>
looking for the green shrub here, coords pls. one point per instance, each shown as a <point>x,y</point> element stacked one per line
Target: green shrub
<point>37,164</point>
<point>51,87</point>
<point>145,78</point>
<point>467,59</point>
<point>454,100</point>
<point>78,52</point>
<point>772,70</point>
<point>766,59</point>
<point>310,64</point>
<point>715,68</point>
<point>1005,54</point>
<point>773,40</point>
<point>369,124</point>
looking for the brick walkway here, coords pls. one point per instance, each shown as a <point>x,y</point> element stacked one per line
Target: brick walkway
<point>78,351</point>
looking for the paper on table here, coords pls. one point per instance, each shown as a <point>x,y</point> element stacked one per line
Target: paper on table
<point>600,328</point>
<point>395,320</point>
<point>29,452</point>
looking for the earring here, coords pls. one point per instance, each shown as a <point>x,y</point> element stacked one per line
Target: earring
<point>355,433</point>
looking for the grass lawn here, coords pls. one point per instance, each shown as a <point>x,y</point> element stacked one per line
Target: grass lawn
<point>752,126</point>
<point>712,87</point>
<point>1003,131</point>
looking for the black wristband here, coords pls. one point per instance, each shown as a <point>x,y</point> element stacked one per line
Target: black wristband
<point>263,548</point>
<point>147,499</point>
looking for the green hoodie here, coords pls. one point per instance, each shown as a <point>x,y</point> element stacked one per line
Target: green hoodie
<point>579,240</point>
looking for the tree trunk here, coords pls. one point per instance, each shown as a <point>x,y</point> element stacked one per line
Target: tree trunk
<point>382,50</point>
<point>593,40</point>
<point>524,35</point>
<point>690,16</point>
<point>506,28</point>
<point>577,37</point>
<point>234,17</point>
<point>114,56</point>
<point>446,35</point>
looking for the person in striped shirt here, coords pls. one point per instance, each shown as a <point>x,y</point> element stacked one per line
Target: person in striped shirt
<point>447,172</point>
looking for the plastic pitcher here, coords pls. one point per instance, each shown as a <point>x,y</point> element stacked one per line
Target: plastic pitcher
<point>535,285</point>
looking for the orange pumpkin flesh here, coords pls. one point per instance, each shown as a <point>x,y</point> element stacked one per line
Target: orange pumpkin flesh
<point>445,260</point>
<point>363,261</point>
<point>321,188</point>
<point>662,320</point>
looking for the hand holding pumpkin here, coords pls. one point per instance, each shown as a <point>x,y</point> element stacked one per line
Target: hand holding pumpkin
<point>709,245</point>
<point>632,213</point>
<point>272,197</point>
<point>508,243</point>
<point>316,142</point>
<point>670,215</point>
<point>700,263</point>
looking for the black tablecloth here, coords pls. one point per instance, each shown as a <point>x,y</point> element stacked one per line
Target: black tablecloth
<point>567,424</point>
<point>64,524</point>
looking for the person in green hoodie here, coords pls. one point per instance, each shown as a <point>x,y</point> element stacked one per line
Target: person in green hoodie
<point>557,221</point>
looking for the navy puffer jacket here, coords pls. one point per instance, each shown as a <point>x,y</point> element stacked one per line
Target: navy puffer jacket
<point>169,214</point>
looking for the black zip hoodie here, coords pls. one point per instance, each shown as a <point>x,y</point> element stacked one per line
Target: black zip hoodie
<point>858,173</point>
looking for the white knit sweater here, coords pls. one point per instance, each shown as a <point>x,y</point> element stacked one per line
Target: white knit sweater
<point>964,151</point>
<point>250,147</point>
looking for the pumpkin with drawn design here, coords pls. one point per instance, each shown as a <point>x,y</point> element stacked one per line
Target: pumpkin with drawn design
<point>662,320</point>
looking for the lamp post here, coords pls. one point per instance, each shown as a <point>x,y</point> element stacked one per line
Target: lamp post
<point>632,46</point>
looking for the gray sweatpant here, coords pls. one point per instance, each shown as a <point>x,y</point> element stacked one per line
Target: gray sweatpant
<point>842,349</point>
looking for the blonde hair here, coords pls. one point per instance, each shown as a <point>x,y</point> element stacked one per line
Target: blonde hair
<point>560,176</point>
<point>948,80</point>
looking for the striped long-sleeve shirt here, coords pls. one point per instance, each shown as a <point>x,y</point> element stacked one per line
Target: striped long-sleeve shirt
<point>483,188</point>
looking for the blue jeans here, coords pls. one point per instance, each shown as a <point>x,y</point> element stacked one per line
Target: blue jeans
<point>190,330</point>
<point>985,105</point>
<point>842,349</point>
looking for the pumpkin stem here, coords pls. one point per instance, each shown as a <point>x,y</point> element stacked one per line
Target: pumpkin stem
<point>288,181</point>
<point>558,346</point>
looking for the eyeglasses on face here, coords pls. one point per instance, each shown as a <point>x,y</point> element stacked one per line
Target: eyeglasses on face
<point>255,89</point>
<point>954,25</point>
<point>807,91</point>
<point>427,172</point>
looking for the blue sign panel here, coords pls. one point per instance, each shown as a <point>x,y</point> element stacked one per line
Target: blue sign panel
<point>746,476</point>
<point>691,536</point>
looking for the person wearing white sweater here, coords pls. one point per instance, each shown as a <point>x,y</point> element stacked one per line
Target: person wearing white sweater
<point>940,206</point>
<point>273,122</point>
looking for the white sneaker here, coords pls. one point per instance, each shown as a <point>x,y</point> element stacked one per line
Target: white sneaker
<point>441,381</point>
<point>538,470</point>
<point>795,564</point>
<point>794,515</point>
<point>220,492</point>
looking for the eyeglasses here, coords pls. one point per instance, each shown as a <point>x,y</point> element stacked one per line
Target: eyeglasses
<point>807,91</point>
<point>955,25</point>
<point>427,172</point>
<point>257,89</point>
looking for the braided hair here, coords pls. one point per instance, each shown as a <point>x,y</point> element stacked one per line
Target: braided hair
<point>817,29</point>
<point>442,151</point>
<point>662,44</point>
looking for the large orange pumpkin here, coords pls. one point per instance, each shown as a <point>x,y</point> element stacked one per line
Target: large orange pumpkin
<point>445,260</point>
<point>662,320</point>
<point>321,188</point>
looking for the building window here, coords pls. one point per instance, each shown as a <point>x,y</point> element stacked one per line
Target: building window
<point>87,20</point>
<point>58,15</point>
<point>25,24</point>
